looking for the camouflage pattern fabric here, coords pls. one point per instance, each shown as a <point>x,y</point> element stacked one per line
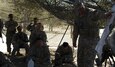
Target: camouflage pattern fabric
<point>38,34</point>
<point>87,27</point>
<point>40,55</point>
<point>86,53</point>
<point>63,56</point>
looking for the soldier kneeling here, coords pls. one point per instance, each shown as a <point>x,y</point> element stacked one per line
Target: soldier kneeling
<point>40,54</point>
<point>63,55</point>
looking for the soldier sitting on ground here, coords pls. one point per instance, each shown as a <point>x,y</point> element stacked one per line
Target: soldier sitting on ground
<point>63,55</point>
<point>39,53</point>
<point>20,40</point>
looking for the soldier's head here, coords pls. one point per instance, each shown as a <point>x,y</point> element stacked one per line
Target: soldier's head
<point>38,42</point>
<point>80,9</point>
<point>65,45</point>
<point>10,16</point>
<point>35,20</point>
<point>19,28</point>
<point>39,26</point>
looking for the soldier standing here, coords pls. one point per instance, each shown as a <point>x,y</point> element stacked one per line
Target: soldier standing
<point>11,30</point>
<point>87,27</point>
<point>20,40</point>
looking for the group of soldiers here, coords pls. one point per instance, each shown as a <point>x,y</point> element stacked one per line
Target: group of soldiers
<point>35,45</point>
<point>86,26</point>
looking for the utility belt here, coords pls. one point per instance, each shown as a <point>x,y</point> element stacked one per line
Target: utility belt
<point>92,33</point>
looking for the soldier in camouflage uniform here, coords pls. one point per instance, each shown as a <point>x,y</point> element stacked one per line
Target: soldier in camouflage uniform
<point>87,27</point>
<point>38,33</point>
<point>11,30</point>
<point>20,40</point>
<point>63,55</point>
<point>32,26</point>
<point>40,54</point>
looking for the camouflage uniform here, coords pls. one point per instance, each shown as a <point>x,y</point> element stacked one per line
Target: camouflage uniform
<point>1,27</point>
<point>40,54</point>
<point>38,33</point>
<point>31,27</point>
<point>20,40</point>
<point>87,27</point>
<point>63,55</point>
<point>11,29</point>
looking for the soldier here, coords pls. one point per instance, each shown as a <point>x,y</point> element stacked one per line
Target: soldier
<point>38,33</point>
<point>39,53</point>
<point>20,40</point>
<point>32,26</point>
<point>11,30</point>
<point>63,55</point>
<point>87,27</point>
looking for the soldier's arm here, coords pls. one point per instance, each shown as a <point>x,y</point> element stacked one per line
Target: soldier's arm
<point>6,24</point>
<point>75,34</point>
<point>16,24</point>
<point>1,25</point>
<point>112,26</point>
<point>103,15</point>
<point>29,27</point>
<point>14,39</point>
<point>26,38</point>
<point>44,36</point>
<point>23,39</point>
<point>70,53</point>
<point>57,53</point>
<point>58,50</point>
<point>47,54</point>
